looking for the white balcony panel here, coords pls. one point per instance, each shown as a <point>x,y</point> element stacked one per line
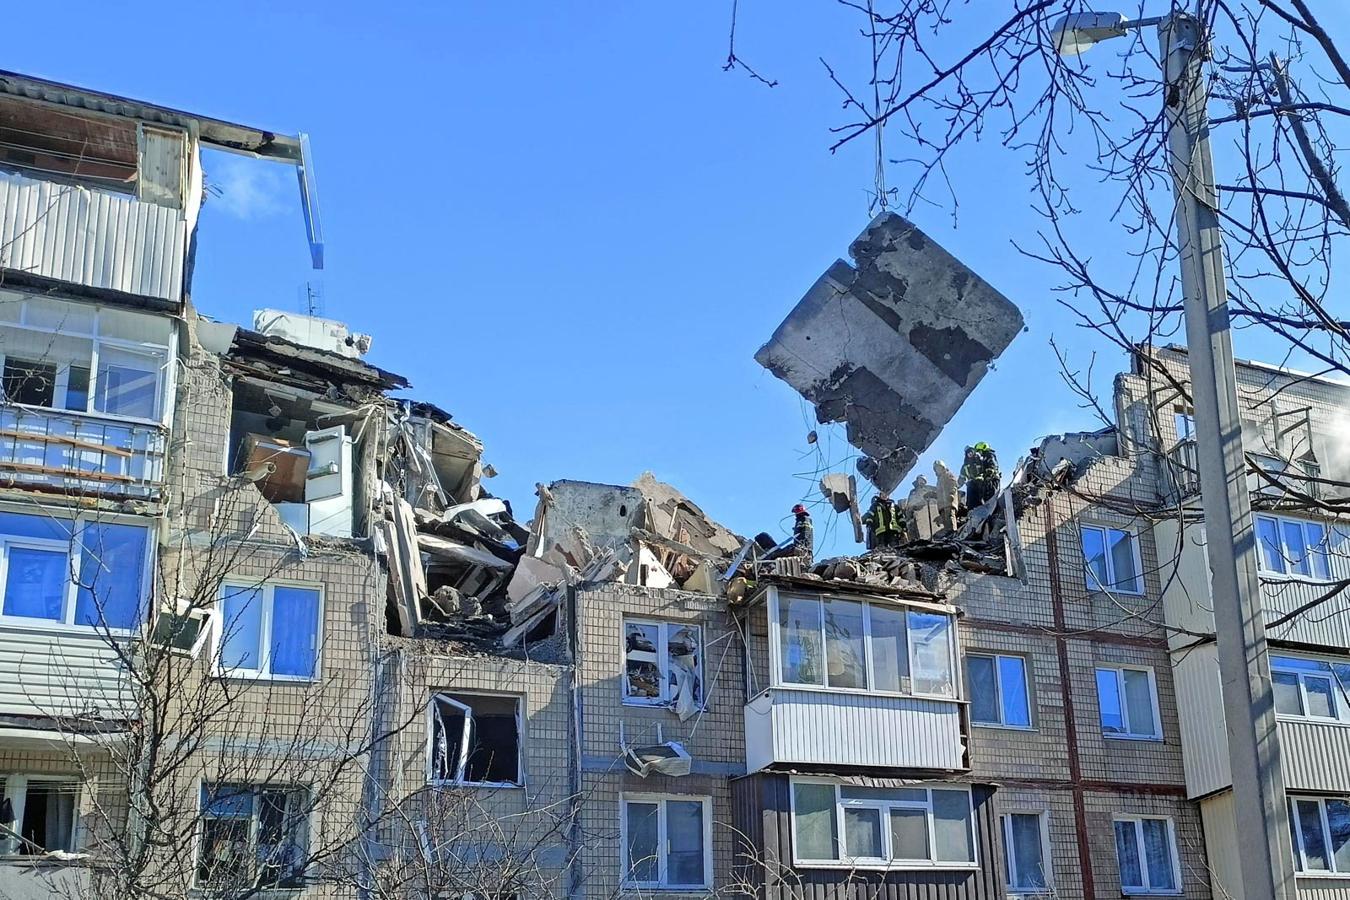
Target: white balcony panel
<point>785,725</point>
<point>1327,623</point>
<point>1316,756</point>
<point>1204,732</point>
<point>42,880</point>
<point>61,672</point>
<point>93,238</point>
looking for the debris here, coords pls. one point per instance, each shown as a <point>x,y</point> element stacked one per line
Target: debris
<point>669,758</point>
<point>893,347</point>
<point>675,516</point>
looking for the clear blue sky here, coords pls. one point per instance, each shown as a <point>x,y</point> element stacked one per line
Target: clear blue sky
<point>565,223</point>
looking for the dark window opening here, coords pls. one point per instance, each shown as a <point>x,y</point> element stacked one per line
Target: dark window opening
<point>32,383</point>
<point>475,739</point>
<point>48,817</point>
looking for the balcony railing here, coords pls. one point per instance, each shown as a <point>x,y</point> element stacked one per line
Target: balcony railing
<point>1183,468</point>
<point>57,450</point>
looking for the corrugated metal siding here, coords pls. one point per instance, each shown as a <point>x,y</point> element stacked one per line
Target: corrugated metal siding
<point>92,238</point>
<point>770,823</point>
<point>1321,889</point>
<point>1328,624</point>
<point>853,730</point>
<point>60,673</point>
<point>1221,845</point>
<point>1316,757</point>
<point>1204,735</point>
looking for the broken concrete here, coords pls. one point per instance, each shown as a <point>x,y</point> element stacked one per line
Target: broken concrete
<point>893,346</point>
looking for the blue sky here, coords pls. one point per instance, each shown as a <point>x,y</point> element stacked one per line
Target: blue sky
<point>567,225</point>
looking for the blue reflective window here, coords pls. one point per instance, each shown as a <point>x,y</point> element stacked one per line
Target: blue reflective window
<point>241,628</point>
<point>295,627</point>
<point>269,630</point>
<point>36,582</point>
<point>113,579</point>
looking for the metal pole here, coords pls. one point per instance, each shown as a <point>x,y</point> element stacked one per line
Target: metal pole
<point>1262,818</point>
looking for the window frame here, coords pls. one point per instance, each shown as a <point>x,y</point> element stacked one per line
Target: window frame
<point>1047,866</point>
<point>14,787</point>
<point>1025,662</point>
<point>664,627</point>
<point>254,825</point>
<point>72,549</point>
<point>662,866</point>
<point>1300,851</point>
<point>1340,691</point>
<point>775,631</point>
<point>1174,858</point>
<point>844,861</point>
<point>1130,735</point>
<point>449,695</point>
<point>219,624</point>
<point>1286,559</point>
<point>1135,554</point>
<point>166,353</point>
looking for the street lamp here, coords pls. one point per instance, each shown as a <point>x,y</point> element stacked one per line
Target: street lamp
<point>1261,817</point>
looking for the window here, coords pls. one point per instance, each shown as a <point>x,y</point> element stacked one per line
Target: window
<point>37,814</point>
<point>73,572</point>
<point>1294,547</point>
<point>1146,851</point>
<point>873,827</point>
<point>1311,688</point>
<point>1111,558</point>
<point>1026,850</point>
<point>667,841</point>
<point>1184,420</point>
<point>1321,833</point>
<point>849,645</point>
<point>268,631</point>
<point>475,739</point>
<point>1128,702</point>
<point>252,834</point>
<point>998,690</point>
<point>83,358</point>
<point>663,665</point>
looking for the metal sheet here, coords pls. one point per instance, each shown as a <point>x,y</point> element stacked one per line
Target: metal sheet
<point>61,673</point>
<point>92,238</point>
<point>893,346</point>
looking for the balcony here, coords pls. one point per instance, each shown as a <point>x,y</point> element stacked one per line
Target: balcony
<point>1183,468</point>
<point>793,726</point>
<point>78,453</point>
<point>92,238</point>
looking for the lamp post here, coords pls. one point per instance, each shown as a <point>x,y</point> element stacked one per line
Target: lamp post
<point>1261,825</point>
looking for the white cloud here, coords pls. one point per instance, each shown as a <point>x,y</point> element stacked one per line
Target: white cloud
<point>246,188</point>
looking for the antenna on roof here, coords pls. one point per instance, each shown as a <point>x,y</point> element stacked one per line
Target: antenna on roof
<point>311,298</point>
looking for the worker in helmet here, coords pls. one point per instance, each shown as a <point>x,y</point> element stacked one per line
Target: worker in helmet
<point>980,473</point>
<point>803,538</point>
<point>883,523</point>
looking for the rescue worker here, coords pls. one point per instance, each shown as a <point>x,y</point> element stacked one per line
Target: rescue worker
<point>803,535</point>
<point>980,474</point>
<point>883,524</point>
<point>948,496</point>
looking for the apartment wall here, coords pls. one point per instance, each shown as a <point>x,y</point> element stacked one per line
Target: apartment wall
<point>714,737</point>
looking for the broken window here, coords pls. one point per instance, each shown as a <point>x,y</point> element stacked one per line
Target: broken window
<point>269,631</point>
<point>252,835</point>
<point>475,739</point>
<point>74,572</point>
<point>663,664</point>
<point>37,814</point>
<point>49,349</point>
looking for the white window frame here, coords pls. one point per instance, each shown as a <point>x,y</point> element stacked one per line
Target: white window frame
<point>254,822</point>
<point>664,628</point>
<point>776,649</point>
<point>660,799</point>
<point>165,353</point>
<point>1130,734</point>
<point>458,780</point>
<point>72,550</point>
<point>1314,549</point>
<point>844,861</point>
<point>1113,587</point>
<point>14,788</point>
<point>1339,700</point>
<point>998,690</point>
<point>1175,859</point>
<point>1300,852</point>
<point>220,624</point>
<point>1047,868</point>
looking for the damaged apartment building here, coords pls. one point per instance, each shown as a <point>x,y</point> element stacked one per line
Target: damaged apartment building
<point>266,630</point>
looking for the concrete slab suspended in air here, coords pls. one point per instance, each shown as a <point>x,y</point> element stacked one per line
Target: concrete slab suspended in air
<point>893,345</point>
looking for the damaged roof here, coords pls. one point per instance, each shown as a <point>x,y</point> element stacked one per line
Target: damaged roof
<point>322,363</point>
